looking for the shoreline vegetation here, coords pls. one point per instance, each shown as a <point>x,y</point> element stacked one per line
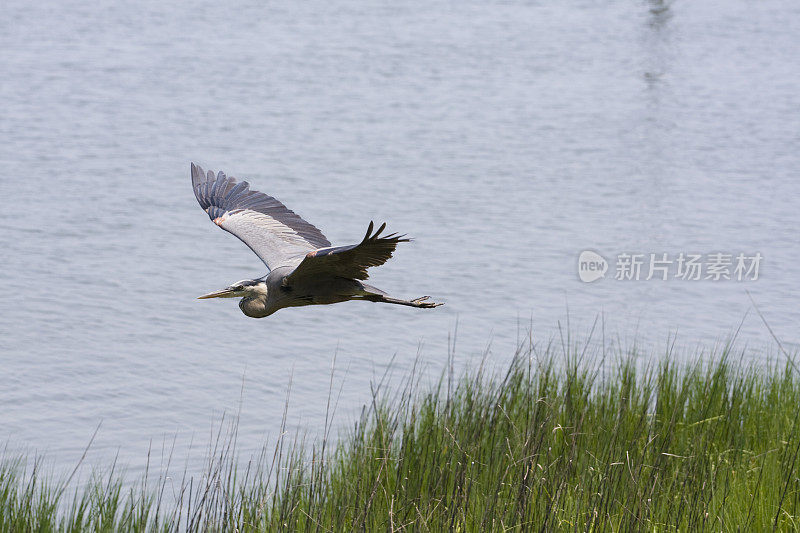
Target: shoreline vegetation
<point>562,441</point>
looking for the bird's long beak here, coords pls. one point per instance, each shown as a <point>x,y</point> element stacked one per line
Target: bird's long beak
<point>224,293</point>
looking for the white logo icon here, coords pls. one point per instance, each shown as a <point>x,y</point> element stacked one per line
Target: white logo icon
<point>591,266</point>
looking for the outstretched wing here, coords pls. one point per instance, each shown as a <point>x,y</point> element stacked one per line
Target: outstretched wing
<point>349,261</point>
<point>274,232</point>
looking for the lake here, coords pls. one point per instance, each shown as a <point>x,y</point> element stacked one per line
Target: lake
<point>505,137</point>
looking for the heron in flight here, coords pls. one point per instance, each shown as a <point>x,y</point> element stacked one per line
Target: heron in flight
<point>304,269</point>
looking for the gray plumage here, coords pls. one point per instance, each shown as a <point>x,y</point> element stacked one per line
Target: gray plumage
<point>304,269</point>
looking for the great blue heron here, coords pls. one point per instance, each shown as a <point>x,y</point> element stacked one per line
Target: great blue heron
<point>304,269</point>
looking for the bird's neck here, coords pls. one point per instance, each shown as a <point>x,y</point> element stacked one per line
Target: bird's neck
<point>256,304</point>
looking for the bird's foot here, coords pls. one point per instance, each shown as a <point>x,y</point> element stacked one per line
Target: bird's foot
<point>420,302</point>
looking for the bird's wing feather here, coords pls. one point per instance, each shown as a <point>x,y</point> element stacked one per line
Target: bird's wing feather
<point>274,232</point>
<point>349,261</point>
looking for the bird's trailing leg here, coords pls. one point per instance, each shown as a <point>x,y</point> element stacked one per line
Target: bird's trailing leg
<point>416,302</point>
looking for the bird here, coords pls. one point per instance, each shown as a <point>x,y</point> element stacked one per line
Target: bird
<point>303,267</point>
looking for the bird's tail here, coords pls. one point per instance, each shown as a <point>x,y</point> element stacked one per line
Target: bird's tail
<point>369,290</point>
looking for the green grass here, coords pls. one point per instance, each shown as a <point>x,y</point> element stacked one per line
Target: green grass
<point>553,444</point>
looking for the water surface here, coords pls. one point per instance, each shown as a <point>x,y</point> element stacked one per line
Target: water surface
<point>505,137</point>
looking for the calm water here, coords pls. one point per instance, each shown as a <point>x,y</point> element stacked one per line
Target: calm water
<point>505,137</point>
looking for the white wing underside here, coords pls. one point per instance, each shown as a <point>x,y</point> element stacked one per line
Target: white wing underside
<point>275,243</point>
<point>275,233</point>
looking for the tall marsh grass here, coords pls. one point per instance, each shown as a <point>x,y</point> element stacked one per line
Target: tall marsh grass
<point>553,444</point>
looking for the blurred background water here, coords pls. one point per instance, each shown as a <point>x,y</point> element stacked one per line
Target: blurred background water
<point>506,137</point>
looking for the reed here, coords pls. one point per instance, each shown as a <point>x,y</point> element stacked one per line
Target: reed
<point>551,444</point>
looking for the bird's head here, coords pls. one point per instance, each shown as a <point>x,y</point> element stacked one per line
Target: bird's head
<point>247,288</point>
